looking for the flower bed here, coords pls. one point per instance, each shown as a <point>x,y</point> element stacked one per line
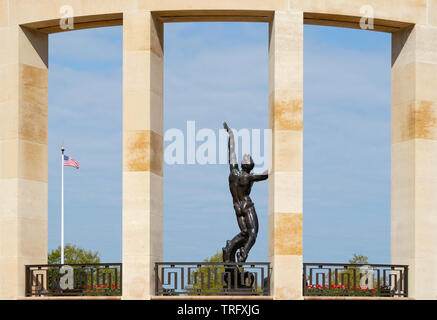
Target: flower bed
<point>95,290</point>
<point>344,290</point>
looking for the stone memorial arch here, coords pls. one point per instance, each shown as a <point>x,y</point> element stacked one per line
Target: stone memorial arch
<point>24,29</point>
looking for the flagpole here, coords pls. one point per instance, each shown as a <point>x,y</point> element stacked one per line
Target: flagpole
<point>62,205</point>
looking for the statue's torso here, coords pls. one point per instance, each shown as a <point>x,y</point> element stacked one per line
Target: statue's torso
<point>240,186</point>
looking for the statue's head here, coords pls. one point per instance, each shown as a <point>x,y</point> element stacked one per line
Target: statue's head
<point>247,163</point>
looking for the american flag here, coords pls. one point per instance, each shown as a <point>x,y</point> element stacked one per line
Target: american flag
<point>70,162</point>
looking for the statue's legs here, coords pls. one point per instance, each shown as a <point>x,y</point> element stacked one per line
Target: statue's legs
<point>239,240</point>
<point>248,223</point>
<point>233,276</point>
<point>251,221</point>
<point>233,245</point>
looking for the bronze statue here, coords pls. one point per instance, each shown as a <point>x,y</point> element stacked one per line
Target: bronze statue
<point>240,185</point>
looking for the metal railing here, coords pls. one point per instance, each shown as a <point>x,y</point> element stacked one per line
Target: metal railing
<point>212,278</point>
<point>100,279</point>
<point>335,279</point>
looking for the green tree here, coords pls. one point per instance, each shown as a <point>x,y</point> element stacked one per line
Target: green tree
<point>72,255</point>
<point>359,259</point>
<point>348,282</point>
<point>86,280</point>
<point>349,273</point>
<point>215,273</point>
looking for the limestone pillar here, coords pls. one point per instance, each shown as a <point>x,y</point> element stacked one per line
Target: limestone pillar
<point>23,156</point>
<point>414,157</point>
<point>142,152</point>
<point>285,180</point>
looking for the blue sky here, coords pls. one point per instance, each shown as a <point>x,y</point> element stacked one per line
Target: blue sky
<point>215,72</point>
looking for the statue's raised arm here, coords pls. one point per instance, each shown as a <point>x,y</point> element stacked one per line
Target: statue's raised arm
<point>231,148</point>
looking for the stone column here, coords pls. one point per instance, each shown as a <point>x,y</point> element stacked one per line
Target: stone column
<point>142,152</point>
<point>414,157</point>
<point>285,180</point>
<point>23,155</point>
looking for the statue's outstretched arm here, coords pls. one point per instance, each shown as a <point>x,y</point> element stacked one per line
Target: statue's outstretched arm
<point>231,148</point>
<point>260,177</point>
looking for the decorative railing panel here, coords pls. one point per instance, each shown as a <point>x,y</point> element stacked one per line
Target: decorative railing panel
<point>103,279</point>
<point>212,278</point>
<point>333,279</point>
